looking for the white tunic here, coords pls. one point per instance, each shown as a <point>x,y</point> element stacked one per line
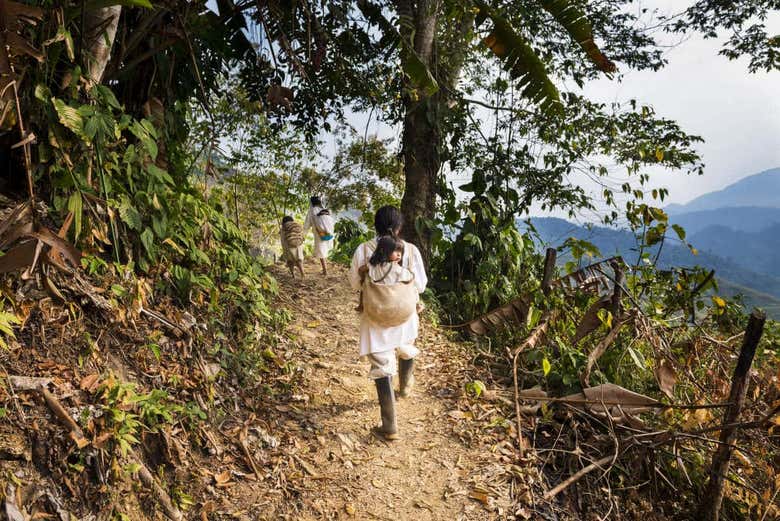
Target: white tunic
<point>321,248</point>
<point>376,339</point>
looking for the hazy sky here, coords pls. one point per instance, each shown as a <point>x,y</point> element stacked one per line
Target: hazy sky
<point>737,113</point>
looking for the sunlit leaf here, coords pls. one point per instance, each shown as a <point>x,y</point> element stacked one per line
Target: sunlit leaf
<point>69,116</point>
<point>75,205</point>
<point>637,357</point>
<point>576,23</point>
<point>520,60</point>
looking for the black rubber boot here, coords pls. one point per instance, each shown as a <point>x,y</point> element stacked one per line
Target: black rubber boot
<point>384,391</point>
<point>405,377</point>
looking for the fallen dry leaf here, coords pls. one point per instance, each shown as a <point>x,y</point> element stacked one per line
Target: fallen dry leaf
<point>479,496</point>
<point>90,383</point>
<point>222,479</point>
<point>666,376</point>
<point>349,508</point>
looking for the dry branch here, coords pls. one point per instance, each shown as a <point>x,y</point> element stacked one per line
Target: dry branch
<point>530,342</point>
<point>173,328</point>
<point>601,348</point>
<point>713,495</point>
<point>27,383</point>
<point>248,454</point>
<point>549,269</point>
<point>576,477</point>
<point>590,279</point>
<point>62,415</point>
<point>158,492</point>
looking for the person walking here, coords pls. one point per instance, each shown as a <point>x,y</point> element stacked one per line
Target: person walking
<point>291,237</point>
<point>380,343</point>
<point>321,222</point>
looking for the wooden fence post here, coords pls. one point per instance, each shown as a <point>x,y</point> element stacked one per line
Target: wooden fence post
<point>617,292</point>
<point>549,269</point>
<point>709,510</point>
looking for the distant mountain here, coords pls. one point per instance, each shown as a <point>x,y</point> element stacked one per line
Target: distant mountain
<point>762,189</point>
<point>741,218</point>
<point>737,275</point>
<point>758,251</point>
<point>735,230</point>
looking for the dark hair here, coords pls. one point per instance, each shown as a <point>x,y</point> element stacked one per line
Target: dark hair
<point>315,200</point>
<point>388,221</point>
<point>385,246</point>
<point>287,219</point>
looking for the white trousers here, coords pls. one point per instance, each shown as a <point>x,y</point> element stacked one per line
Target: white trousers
<point>385,363</point>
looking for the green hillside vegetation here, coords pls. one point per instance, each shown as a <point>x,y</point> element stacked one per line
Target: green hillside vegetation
<point>615,241</point>
<point>751,297</point>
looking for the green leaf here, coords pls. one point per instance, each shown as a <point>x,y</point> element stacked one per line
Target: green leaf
<point>159,174</point>
<point>605,316</point>
<point>147,239</point>
<point>476,388</point>
<point>679,230</point>
<point>155,350</point>
<point>418,72</point>
<point>42,93</point>
<point>146,137</point>
<point>637,357</point>
<point>546,366</point>
<point>76,205</point>
<point>655,234</point>
<point>159,225</point>
<point>69,116</point>
<point>130,215</point>
<point>576,23</point>
<point>658,214</point>
<point>7,321</point>
<point>63,35</point>
<point>107,95</point>
<point>520,60</point>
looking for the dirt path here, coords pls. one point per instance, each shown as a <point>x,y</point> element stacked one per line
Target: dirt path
<point>350,473</point>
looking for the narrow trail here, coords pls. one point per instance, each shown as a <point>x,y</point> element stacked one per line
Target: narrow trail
<point>350,473</point>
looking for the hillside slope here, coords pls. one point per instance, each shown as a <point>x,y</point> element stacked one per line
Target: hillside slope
<point>740,218</point>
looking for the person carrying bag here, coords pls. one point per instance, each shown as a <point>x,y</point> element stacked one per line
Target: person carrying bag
<point>389,324</point>
<point>389,296</point>
<point>321,222</point>
<point>291,237</point>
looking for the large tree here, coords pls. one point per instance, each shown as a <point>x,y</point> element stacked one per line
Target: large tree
<point>425,83</point>
<point>432,52</point>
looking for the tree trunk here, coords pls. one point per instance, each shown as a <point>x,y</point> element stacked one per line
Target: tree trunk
<point>421,136</point>
<point>100,27</point>
<point>420,149</point>
<point>425,119</point>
